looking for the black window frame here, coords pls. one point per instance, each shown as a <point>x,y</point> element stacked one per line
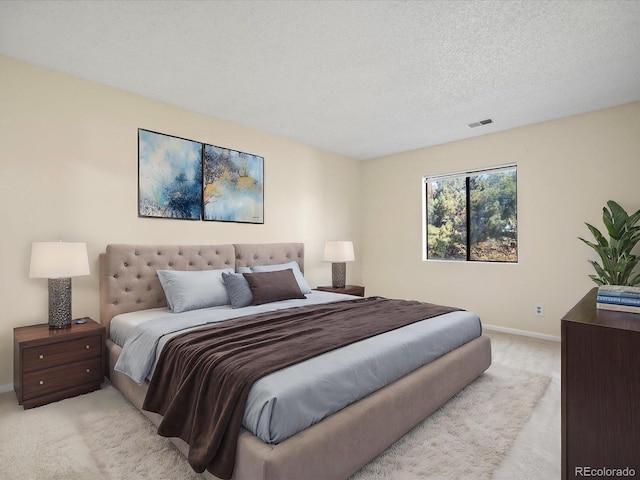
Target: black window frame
<point>467,176</point>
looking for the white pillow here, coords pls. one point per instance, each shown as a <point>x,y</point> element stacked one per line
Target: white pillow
<point>302,283</point>
<point>190,290</point>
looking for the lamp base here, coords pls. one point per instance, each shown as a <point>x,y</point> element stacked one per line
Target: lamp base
<point>338,274</point>
<point>59,302</point>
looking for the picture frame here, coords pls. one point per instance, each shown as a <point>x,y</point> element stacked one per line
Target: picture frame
<point>232,186</point>
<point>169,176</point>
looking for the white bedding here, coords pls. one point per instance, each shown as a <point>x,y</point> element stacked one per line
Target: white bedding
<point>292,399</point>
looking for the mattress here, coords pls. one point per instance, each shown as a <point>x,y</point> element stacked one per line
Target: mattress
<point>288,401</point>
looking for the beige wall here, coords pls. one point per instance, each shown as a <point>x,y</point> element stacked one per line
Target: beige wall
<point>567,170</point>
<point>68,156</point>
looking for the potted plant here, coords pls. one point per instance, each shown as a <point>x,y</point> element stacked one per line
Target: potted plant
<point>618,261</point>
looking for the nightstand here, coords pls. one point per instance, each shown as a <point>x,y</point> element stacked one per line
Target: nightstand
<point>52,364</point>
<point>348,289</point>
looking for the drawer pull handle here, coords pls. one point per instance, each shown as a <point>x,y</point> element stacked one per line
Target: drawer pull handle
<point>87,370</point>
<point>41,382</point>
<point>87,347</point>
<point>41,357</point>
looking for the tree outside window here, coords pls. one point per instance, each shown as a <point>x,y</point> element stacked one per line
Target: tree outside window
<point>473,216</point>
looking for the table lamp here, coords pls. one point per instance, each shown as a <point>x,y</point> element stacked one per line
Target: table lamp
<point>338,253</point>
<point>58,261</point>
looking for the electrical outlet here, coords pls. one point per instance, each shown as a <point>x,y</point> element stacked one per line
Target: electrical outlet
<point>539,309</point>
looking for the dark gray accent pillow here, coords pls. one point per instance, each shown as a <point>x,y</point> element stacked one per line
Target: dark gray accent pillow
<point>237,289</point>
<point>267,287</point>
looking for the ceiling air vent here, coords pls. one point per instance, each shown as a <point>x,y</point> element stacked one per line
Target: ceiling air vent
<point>480,123</point>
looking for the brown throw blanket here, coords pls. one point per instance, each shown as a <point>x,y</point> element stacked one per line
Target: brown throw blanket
<point>203,377</point>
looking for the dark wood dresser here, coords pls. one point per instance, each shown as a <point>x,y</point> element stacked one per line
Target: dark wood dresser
<point>52,364</point>
<point>600,392</point>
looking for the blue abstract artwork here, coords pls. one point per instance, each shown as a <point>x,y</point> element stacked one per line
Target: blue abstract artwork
<point>233,186</point>
<point>169,176</point>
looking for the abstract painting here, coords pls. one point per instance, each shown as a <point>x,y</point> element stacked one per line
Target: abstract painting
<point>169,176</point>
<point>233,186</point>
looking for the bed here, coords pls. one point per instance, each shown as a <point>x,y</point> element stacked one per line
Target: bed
<point>334,447</point>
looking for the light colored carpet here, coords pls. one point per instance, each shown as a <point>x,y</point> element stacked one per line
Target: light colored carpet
<point>504,425</point>
<point>95,436</point>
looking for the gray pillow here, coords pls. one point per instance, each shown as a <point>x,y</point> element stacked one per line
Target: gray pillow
<point>190,290</point>
<point>238,290</point>
<point>267,287</point>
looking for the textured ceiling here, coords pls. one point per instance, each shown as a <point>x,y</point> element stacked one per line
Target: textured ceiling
<point>361,78</point>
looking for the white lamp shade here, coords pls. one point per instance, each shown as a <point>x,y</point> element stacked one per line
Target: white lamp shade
<point>58,260</point>
<point>340,251</point>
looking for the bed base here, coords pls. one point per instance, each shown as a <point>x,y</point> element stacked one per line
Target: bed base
<point>334,448</point>
<point>341,444</point>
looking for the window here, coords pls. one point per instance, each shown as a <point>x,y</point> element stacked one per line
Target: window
<point>472,216</point>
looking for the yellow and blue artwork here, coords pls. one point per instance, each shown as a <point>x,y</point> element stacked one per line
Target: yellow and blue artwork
<point>233,186</point>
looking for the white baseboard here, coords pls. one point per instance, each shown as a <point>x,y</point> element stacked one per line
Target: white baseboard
<point>524,333</point>
<point>6,388</point>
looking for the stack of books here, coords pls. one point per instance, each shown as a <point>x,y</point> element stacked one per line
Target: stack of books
<point>618,297</point>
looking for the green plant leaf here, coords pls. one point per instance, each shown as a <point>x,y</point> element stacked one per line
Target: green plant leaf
<point>633,219</point>
<point>597,279</point>
<point>597,235</point>
<point>619,214</point>
<point>604,276</point>
<point>615,219</point>
<point>634,281</point>
<point>618,261</point>
<point>607,219</point>
<point>604,253</point>
<point>628,241</point>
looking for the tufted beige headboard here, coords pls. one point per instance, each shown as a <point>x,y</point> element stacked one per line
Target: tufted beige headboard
<point>128,279</point>
<point>252,254</point>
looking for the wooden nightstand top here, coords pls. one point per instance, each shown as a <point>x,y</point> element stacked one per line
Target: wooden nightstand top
<point>42,334</point>
<point>348,290</point>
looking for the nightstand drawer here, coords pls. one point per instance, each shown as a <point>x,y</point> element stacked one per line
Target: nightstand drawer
<point>59,378</point>
<point>47,356</point>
